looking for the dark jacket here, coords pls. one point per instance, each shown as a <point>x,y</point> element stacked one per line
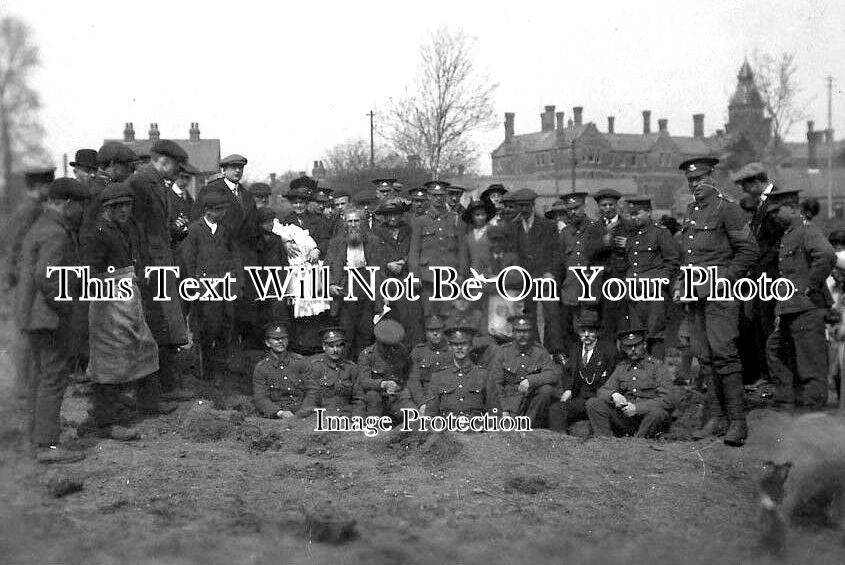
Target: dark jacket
<point>538,248</point>
<point>461,391</point>
<point>648,384</point>
<point>584,382</point>
<point>317,226</point>
<point>278,383</point>
<point>210,255</point>
<point>437,240</point>
<point>241,216</point>
<point>613,258</point>
<point>807,259</point>
<point>393,246</point>
<point>111,245</point>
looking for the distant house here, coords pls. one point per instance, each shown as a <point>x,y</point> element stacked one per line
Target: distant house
<point>204,154</point>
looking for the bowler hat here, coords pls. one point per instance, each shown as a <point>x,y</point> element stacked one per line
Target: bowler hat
<point>85,158</point>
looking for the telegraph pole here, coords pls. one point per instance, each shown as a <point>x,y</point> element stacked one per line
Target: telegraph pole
<point>829,146</point>
<point>372,141</point>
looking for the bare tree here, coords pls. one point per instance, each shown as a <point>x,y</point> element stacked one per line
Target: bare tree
<point>779,89</point>
<point>448,100</point>
<point>351,157</point>
<point>20,131</point>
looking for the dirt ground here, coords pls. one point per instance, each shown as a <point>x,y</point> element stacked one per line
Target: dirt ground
<point>213,483</point>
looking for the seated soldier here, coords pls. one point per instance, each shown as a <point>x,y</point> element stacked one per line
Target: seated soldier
<point>383,370</point>
<point>428,358</point>
<point>525,376</point>
<point>639,395</point>
<point>461,388</point>
<point>588,367</point>
<point>332,379</point>
<point>278,382</point>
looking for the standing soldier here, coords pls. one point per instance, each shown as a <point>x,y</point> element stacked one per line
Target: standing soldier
<point>461,387</point>
<point>383,370</point>
<point>51,242</point>
<point>613,256</point>
<point>715,234</point>
<point>453,198</point>
<point>153,216</point>
<point>797,347</point>
<point>278,381</point>
<point>419,201</point>
<point>333,378</point>
<point>526,378</point>
<point>754,182</point>
<point>437,240</point>
<point>652,254</point>
<point>428,358</point>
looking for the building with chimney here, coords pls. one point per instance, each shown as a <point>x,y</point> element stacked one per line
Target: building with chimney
<point>204,154</point>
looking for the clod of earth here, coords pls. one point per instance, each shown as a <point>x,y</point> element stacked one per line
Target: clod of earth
<point>63,486</point>
<point>327,523</point>
<point>527,485</point>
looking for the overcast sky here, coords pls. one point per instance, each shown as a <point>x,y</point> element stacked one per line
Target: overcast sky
<point>281,83</point>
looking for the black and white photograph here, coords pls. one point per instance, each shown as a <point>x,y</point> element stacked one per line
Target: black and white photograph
<point>445,283</point>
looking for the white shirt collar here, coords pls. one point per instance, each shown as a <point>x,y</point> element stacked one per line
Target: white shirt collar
<point>212,227</point>
<point>233,186</point>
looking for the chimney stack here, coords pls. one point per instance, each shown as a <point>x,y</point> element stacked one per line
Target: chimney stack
<point>663,125</point>
<point>698,125</point>
<point>646,121</point>
<point>611,125</point>
<point>129,132</point>
<point>509,119</point>
<point>155,135</point>
<point>578,111</point>
<point>547,119</point>
<point>194,132</point>
<point>559,121</point>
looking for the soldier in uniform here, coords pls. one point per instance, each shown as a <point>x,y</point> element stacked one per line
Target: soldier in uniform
<point>639,396</point>
<point>383,371</point>
<point>715,234</point>
<point>51,242</point>
<point>754,182</point>
<point>797,348</point>
<point>385,188</point>
<point>583,238</point>
<point>419,201</point>
<point>526,378</point>
<point>428,358</point>
<point>333,378</point>
<point>367,201</point>
<point>453,198</point>
<point>588,366</point>
<point>279,380</point>
<point>613,255</point>
<point>652,254</point>
<point>85,166</point>
<point>437,239</point>
<point>461,387</point>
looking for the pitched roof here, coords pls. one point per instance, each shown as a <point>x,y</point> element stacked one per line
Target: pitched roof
<point>632,142</point>
<point>801,150</point>
<point>539,141</point>
<point>204,154</point>
<point>693,146</point>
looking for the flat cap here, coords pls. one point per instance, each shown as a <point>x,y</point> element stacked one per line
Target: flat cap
<point>640,202</point>
<point>303,182</point>
<point>493,189</point>
<point>188,169</point>
<point>39,175</point>
<point>85,158</point>
<point>436,187</point>
<point>782,197</point>
<point>698,166</point>
<point>170,149</point>
<point>749,171</point>
<point>233,159</point>
<point>275,329</point>
<point>574,199</point>
<point>434,322</point>
<point>631,336</point>
<point>115,152</point>
<point>116,193</point>
<point>260,189</point>
<point>333,334</point>
<point>524,195</point>
<point>558,208</point>
<point>389,332</point>
<point>393,206</point>
<point>521,322</point>
<point>474,205</point>
<point>266,214</point>
<point>587,319</point>
<point>216,199</point>
<point>606,193</point>
<point>66,189</point>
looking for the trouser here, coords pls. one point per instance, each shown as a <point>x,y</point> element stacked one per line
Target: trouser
<point>47,385</point>
<point>650,315</point>
<point>566,320</point>
<point>356,319</point>
<point>564,414</point>
<point>614,316</point>
<point>21,354</point>
<point>380,404</point>
<point>431,307</point>
<point>536,404</point>
<point>714,328</point>
<point>553,336</point>
<point>797,353</point>
<point>213,326</point>
<point>607,420</point>
<point>104,400</point>
<point>410,315</point>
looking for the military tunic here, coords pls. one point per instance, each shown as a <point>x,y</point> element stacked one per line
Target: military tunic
<point>278,383</point>
<point>373,368</point>
<point>464,391</point>
<point>330,385</point>
<point>797,347</point>
<point>437,239</point>
<point>511,366</point>
<point>425,361</point>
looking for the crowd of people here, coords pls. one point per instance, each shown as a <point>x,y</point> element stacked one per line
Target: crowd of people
<point>553,361</point>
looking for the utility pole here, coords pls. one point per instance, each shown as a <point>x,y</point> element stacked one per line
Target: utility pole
<point>829,136</point>
<point>372,142</point>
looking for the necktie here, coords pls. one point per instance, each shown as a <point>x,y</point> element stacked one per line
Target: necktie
<point>585,357</point>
